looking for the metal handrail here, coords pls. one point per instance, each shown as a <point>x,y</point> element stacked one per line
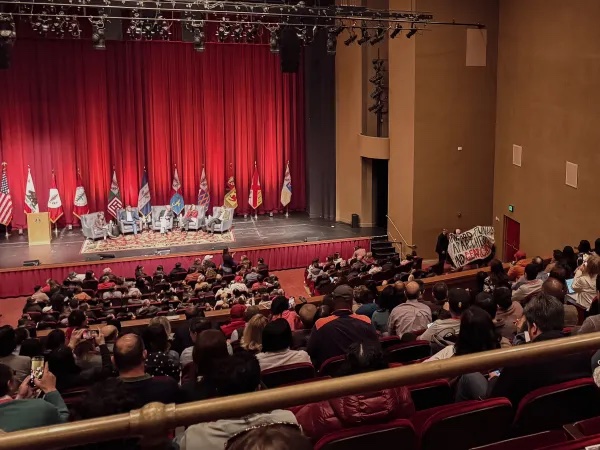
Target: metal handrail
<point>411,246</point>
<point>153,421</point>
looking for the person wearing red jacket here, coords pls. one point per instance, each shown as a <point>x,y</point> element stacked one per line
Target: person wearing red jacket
<point>237,320</point>
<point>318,419</point>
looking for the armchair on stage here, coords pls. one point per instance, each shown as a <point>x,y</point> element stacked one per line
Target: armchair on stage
<point>156,211</point>
<point>128,227</point>
<point>227,219</point>
<point>87,226</point>
<point>197,222</point>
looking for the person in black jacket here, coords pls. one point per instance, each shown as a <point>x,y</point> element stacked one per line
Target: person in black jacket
<point>441,248</point>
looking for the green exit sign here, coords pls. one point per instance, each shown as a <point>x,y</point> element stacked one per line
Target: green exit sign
<point>511,208</point>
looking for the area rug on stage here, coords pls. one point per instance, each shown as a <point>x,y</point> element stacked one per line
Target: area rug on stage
<point>149,239</point>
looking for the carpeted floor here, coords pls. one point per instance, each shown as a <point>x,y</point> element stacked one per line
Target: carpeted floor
<point>153,240</point>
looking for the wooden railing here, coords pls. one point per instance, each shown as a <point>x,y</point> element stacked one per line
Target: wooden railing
<point>152,422</point>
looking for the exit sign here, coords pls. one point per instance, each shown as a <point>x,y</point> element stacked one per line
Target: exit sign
<point>511,208</point>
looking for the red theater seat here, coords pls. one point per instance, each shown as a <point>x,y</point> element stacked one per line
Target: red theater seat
<point>529,442</point>
<point>551,407</point>
<point>409,351</point>
<point>395,434</point>
<point>463,425</point>
<point>431,394</point>
<point>292,373</point>
<point>389,341</point>
<point>331,366</point>
<point>578,444</point>
<point>588,427</point>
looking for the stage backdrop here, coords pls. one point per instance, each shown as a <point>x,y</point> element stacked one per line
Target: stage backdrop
<point>149,104</point>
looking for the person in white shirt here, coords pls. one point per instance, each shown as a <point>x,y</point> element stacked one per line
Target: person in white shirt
<point>165,217</point>
<point>584,283</point>
<point>276,343</point>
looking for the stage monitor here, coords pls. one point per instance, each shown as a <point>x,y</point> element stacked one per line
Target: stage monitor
<point>31,262</point>
<point>106,255</point>
<point>163,251</point>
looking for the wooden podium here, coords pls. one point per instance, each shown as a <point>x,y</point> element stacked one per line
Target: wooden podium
<point>38,228</point>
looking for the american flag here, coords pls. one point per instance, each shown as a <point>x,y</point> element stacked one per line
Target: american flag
<point>6,206</point>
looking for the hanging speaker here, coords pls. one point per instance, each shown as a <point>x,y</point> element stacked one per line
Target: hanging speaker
<point>289,50</point>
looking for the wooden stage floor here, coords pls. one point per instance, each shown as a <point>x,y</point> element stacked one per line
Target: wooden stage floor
<point>266,231</point>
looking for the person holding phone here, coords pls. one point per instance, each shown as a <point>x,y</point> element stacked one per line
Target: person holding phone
<point>20,410</point>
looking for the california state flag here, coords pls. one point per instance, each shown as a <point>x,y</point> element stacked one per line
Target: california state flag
<point>81,204</point>
<point>55,208</point>
<point>31,201</point>
<point>255,198</point>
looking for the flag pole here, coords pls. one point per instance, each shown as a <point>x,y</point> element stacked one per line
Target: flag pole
<point>255,212</point>
<point>6,226</point>
<point>286,212</point>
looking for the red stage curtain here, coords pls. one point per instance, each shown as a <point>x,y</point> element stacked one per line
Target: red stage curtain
<point>154,105</point>
<point>20,282</point>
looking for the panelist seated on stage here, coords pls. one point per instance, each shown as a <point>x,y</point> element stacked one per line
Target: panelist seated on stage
<point>193,217</point>
<point>221,220</point>
<point>162,218</point>
<point>129,220</point>
<point>94,226</point>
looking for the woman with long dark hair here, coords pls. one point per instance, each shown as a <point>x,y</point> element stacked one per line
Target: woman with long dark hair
<point>497,277</point>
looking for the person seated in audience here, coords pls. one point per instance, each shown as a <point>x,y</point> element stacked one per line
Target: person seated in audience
<point>477,334</point>
<point>252,276</point>
<point>20,410</point>
<point>112,293</point>
<point>39,295</point>
<point>332,335</point>
<point>508,311</point>
<point>81,296</point>
<point>207,262</point>
<point>228,265</point>
<point>496,278</point>
<point>275,436</point>
<point>411,315</point>
<point>105,283</point>
<point>8,343</point>
<point>181,337</point>
<point>314,271</point>
<point>558,289</point>
<point>261,266</point>
<point>196,327</point>
<point>530,287</point>
<point>129,358</point>
<point>210,347</point>
<point>32,306</point>
<point>517,268</point>
<point>251,340</point>
<point>52,287</point>
<point>238,285</point>
<point>486,302</point>
<point>250,312</point>
<point>280,309</point>
<point>107,272</point>
<point>54,340</point>
<point>584,249</point>
<point>592,323</point>
<point>276,347</point>
<point>237,320</point>
<point>307,313</point>
<point>159,272</point>
<point>158,361</point>
<point>337,414</point>
<point>31,347</point>
<point>177,269</point>
<point>147,309</point>
<point>365,304</point>
<point>143,286</point>
<point>458,301</point>
<point>439,292</point>
<point>569,259</point>
<point>386,301</point>
<point>21,334</point>
<point>359,253</point>
<point>584,282</point>
<point>193,275</point>
<point>237,374</point>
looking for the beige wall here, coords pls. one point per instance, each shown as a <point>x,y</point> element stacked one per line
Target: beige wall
<point>549,103</point>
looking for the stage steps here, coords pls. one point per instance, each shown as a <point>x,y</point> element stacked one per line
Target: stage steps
<point>382,248</point>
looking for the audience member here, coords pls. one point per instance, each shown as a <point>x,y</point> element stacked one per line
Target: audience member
<point>177,270</point>
<point>508,311</point>
<point>365,300</point>
<point>228,265</point>
<point>569,258</point>
<point>557,289</point>
<point>110,334</point>
<point>307,313</point>
<point>517,269</point>
<point>196,327</point>
<point>442,329</point>
<point>23,411</point>
<point>54,340</point>
<point>496,278</point>
<point>270,437</point>
<point>592,323</point>
<point>584,283</point>
<point>276,347</point>
<point>250,312</point>
<point>8,344</point>
<point>439,292</point>
<point>386,301</point>
<point>39,295</point>
<point>236,313</point>
<point>280,309</point>
<point>158,360</point>
<point>332,335</point>
<point>252,337</point>
<point>129,358</point>
<point>486,301</point>
<point>411,315</point>
<point>237,374</point>
<point>77,320</point>
<point>530,287</point>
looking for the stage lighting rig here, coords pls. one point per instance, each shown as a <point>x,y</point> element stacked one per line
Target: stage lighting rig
<point>351,38</point>
<point>98,39</point>
<point>364,35</point>
<point>413,30</point>
<point>274,40</point>
<point>396,32</point>
<point>331,41</point>
<point>199,38</point>
<point>379,93</point>
<point>380,34</point>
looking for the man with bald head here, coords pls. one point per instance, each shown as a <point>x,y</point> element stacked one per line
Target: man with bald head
<point>129,358</point>
<point>558,290</point>
<point>411,315</point>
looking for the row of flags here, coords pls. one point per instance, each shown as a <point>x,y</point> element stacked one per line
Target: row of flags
<point>55,208</point>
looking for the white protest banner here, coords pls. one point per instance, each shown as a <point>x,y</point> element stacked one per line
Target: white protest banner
<point>471,245</point>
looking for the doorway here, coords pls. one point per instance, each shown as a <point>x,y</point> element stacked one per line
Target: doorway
<point>512,238</point>
<point>380,192</point>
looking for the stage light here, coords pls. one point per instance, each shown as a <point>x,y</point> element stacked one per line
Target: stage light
<point>379,36</point>
<point>251,32</point>
<point>351,39</point>
<point>377,92</point>
<point>331,42</point>
<point>237,34</point>
<point>396,31</point>
<point>199,39</point>
<point>98,41</point>
<point>376,79</point>
<point>223,31</point>
<point>364,35</point>
<point>274,40</point>
<point>377,107</point>
<point>413,30</point>
<point>337,30</point>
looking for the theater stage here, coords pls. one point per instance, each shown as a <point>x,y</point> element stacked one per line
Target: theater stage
<point>285,243</point>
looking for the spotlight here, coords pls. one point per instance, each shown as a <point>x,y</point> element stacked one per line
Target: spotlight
<point>377,92</point>
<point>274,41</point>
<point>364,36</point>
<point>199,39</point>
<point>223,31</point>
<point>379,36</point>
<point>331,42</point>
<point>237,33</point>
<point>351,39</point>
<point>376,79</point>
<point>396,31</point>
<point>98,41</point>
<point>337,30</point>
<point>413,30</point>
<point>251,33</point>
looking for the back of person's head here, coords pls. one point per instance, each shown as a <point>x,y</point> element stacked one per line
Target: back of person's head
<point>496,267</point>
<point>477,332</point>
<point>191,311</point>
<point>323,311</point>
<point>77,318</point>
<point>342,297</point>
<point>250,312</point>
<point>164,322</point>
<point>31,347</point>
<point>364,357</point>
<point>200,324</point>
<point>106,398</point>
<point>61,362</point>
<point>210,346</point>
<point>73,303</point>
<point>275,436</point>
<point>555,288</point>
<point>21,333</point>
<point>593,265</point>
<point>362,295</point>
<point>503,297</point>
<point>531,271</point>
<point>252,337</point>
<point>560,273</point>
<point>413,290</point>
<point>55,339</point>
<point>387,298</point>
<point>57,301</point>
<point>236,374</point>
<point>538,261</point>
<point>584,246</point>
<point>8,340</point>
<point>568,252</point>
<point>440,292</point>
<point>544,313</point>
<point>486,302</point>
<point>6,380</point>
<point>129,352</point>
<point>155,338</point>
<point>307,314</point>
<point>279,305</point>
<point>276,336</point>
<point>110,333</point>
<point>458,300</point>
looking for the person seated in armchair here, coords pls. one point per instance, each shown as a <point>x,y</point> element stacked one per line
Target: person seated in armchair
<point>100,225</point>
<point>165,217</point>
<point>212,221</point>
<point>190,215</point>
<point>130,217</point>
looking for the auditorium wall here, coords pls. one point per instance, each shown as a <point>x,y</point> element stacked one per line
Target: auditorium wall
<point>548,103</point>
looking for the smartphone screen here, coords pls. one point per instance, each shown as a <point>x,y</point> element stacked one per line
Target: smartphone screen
<point>37,367</point>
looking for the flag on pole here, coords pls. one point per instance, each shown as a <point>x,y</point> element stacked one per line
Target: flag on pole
<point>54,203</point>
<point>203,193</point>
<point>114,196</point>
<point>286,190</point>
<point>255,198</point>
<point>31,201</point>
<point>81,204</point>
<point>230,200</point>
<point>177,203</point>
<point>144,205</point>
<point>6,206</point>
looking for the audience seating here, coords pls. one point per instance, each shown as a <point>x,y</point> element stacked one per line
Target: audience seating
<point>409,351</point>
<point>399,433</point>
<point>331,366</point>
<point>551,407</point>
<point>578,444</point>
<point>291,373</point>
<point>529,442</point>
<point>587,427</point>
<point>431,394</point>
<point>388,341</point>
<point>463,425</point>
